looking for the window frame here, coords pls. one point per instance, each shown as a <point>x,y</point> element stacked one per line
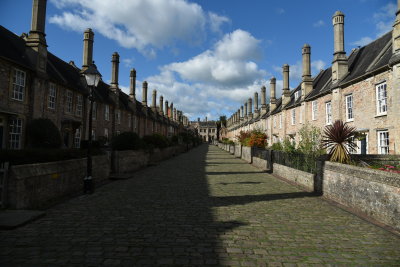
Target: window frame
<point>293,116</point>
<point>19,84</point>
<point>314,110</point>
<point>79,105</point>
<point>107,112</point>
<point>69,98</point>
<point>77,138</point>
<point>379,105</point>
<point>15,133</point>
<point>328,115</point>
<point>379,143</point>
<point>349,105</point>
<point>52,96</point>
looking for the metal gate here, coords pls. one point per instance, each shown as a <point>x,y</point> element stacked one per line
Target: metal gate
<point>3,183</point>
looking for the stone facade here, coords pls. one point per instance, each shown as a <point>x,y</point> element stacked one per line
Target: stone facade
<point>207,130</point>
<point>361,89</point>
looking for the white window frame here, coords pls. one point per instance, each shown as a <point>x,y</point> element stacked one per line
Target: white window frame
<point>328,113</point>
<point>79,105</point>
<point>106,112</point>
<point>77,138</point>
<point>52,96</point>
<point>106,135</point>
<point>118,116</point>
<point>296,95</point>
<point>381,99</point>
<point>280,121</point>
<point>15,133</point>
<point>19,79</point>
<point>349,108</point>
<point>314,111</point>
<point>68,101</point>
<point>293,113</point>
<point>274,119</point>
<point>383,142</point>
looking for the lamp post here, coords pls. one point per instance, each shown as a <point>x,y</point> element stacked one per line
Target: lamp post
<point>92,77</point>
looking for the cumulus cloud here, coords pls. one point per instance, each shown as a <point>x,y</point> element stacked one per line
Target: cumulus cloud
<point>128,24</point>
<point>319,23</point>
<point>363,41</point>
<point>230,62</point>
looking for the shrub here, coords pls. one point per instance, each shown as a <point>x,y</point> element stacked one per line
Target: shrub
<point>277,146</point>
<point>257,139</point>
<point>289,146</point>
<point>242,137</point>
<point>310,141</point>
<point>156,141</point>
<point>127,141</point>
<point>338,139</point>
<point>42,133</point>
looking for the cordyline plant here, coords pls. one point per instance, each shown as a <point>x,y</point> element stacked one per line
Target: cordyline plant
<point>338,139</point>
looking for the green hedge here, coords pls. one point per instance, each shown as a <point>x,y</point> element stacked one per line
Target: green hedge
<point>127,141</point>
<point>42,133</point>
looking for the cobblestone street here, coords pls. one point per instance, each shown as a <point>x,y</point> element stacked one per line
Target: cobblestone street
<point>203,207</point>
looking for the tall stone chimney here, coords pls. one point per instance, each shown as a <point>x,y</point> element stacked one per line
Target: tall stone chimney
<point>166,109</point>
<point>256,111</point>
<point>339,64</point>
<point>88,39</point>
<point>132,86</point>
<point>114,72</point>
<point>153,101</point>
<point>161,105</point>
<point>37,37</point>
<point>306,84</point>
<point>272,93</point>
<point>238,116</point>
<point>171,111</point>
<point>175,115</point>
<point>263,100</point>
<point>144,94</point>
<point>245,111</point>
<point>242,109</point>
<point>286,89</point>
<point>396,36</point>
<point>250,108</point>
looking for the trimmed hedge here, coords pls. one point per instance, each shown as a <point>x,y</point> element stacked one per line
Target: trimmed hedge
<point>127,141</point>
<point>42,133</point>
<point>156,141</point>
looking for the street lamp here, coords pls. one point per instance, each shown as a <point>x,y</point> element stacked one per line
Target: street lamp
<point>92,77</point>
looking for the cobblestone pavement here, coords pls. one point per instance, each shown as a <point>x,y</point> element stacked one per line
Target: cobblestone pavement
<point>203,207</point>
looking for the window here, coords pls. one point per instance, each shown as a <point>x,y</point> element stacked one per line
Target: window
<point>51,103</point>
<point>314,110</point>
<point>18,85</point>
<point>106,112</point>
<point>15,133</point>
<point>79,101</point>
<point>93,134</point>
<point>274,121</point>
<point>349,108</point>
<point>129,120</point>
<point>297,95</point>
<point>134,123</point>
<point>328,112</point>
<point>293,116</point>
<point>118,116</point>
<point>381,98</point>
<point>280,121</point>
<point>77,138</point>
<point>106,133</point>
<point>383,142</point>
<point>94,111</point>
<point>69,101</point>
<point>301,114</point>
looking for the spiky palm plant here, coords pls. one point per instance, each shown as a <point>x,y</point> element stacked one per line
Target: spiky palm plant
<point>338,139</point>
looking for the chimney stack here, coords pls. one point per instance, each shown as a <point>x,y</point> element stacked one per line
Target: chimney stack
<point>339,64</point>
<point>37,37</point>
<point>161,105</point>
<point>166,108</point>
<point>245,111</point>
<point>306,84</point>
<point>286,90</point>
<point>242,109</point>
<point>396,37</point>
<point>238,116</point>
<point>250,108</point>
<point>175,115</point>
<point>114,72</point>
<point>88,38</point>
<point>153,101</point>
<point>272,92</point>
<point>256,111</point>
<point>263,100</point>
<point>171,111</point>
<point>132,87</point>
<point>144,94</point>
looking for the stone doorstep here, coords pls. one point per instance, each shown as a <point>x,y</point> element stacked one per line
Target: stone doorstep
<point>11,219</point>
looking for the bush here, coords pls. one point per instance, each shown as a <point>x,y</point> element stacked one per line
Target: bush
<point>310,141</point>
<point>277,146</point>
<point>156,141</point>
<point>127,141</point>
<point>242,137</point>
<point>42,133</point>
<point>257,139</point>
<point>289,146</point>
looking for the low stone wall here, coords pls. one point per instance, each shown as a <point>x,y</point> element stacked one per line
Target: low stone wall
<point>238,151</point>
<point>246,154</point>
<point>260,163</point>
<point>33,186</point>
<point>372,192</point>
<point>232,149</point>
<point>129,160</point>
<point>303,179</point>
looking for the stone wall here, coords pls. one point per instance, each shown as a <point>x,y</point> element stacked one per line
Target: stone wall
<point>129,160</point>
<point>34,186</point>
<point>372,192</point>
<point>246,154</point>
<point>301,178</point>
<point>232,149</point>
<point>260,163</point>
<point>238,151</point>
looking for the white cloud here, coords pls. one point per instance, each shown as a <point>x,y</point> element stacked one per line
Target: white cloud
<point>363,41</point>
<point>279,11</point>
<point>128,24</point>
<point>319,23</point>
<point>128,62</point>
<point>317,65</point>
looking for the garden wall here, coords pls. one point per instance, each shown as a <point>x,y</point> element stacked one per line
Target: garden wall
<point>238,151</point>
<point>33,186</point>
<point>232,149</point>
<point>246,154</point>
<point>301,178</point>
<point>373,192</point>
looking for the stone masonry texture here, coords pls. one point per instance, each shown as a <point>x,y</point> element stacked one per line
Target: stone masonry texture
<point>203,207</point>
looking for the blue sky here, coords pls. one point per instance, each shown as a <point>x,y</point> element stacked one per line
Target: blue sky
<point>207,57</point>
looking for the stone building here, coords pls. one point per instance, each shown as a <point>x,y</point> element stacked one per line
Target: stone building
<point>206,129</point>
<point>362,89</point>
<point>34,83</point>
